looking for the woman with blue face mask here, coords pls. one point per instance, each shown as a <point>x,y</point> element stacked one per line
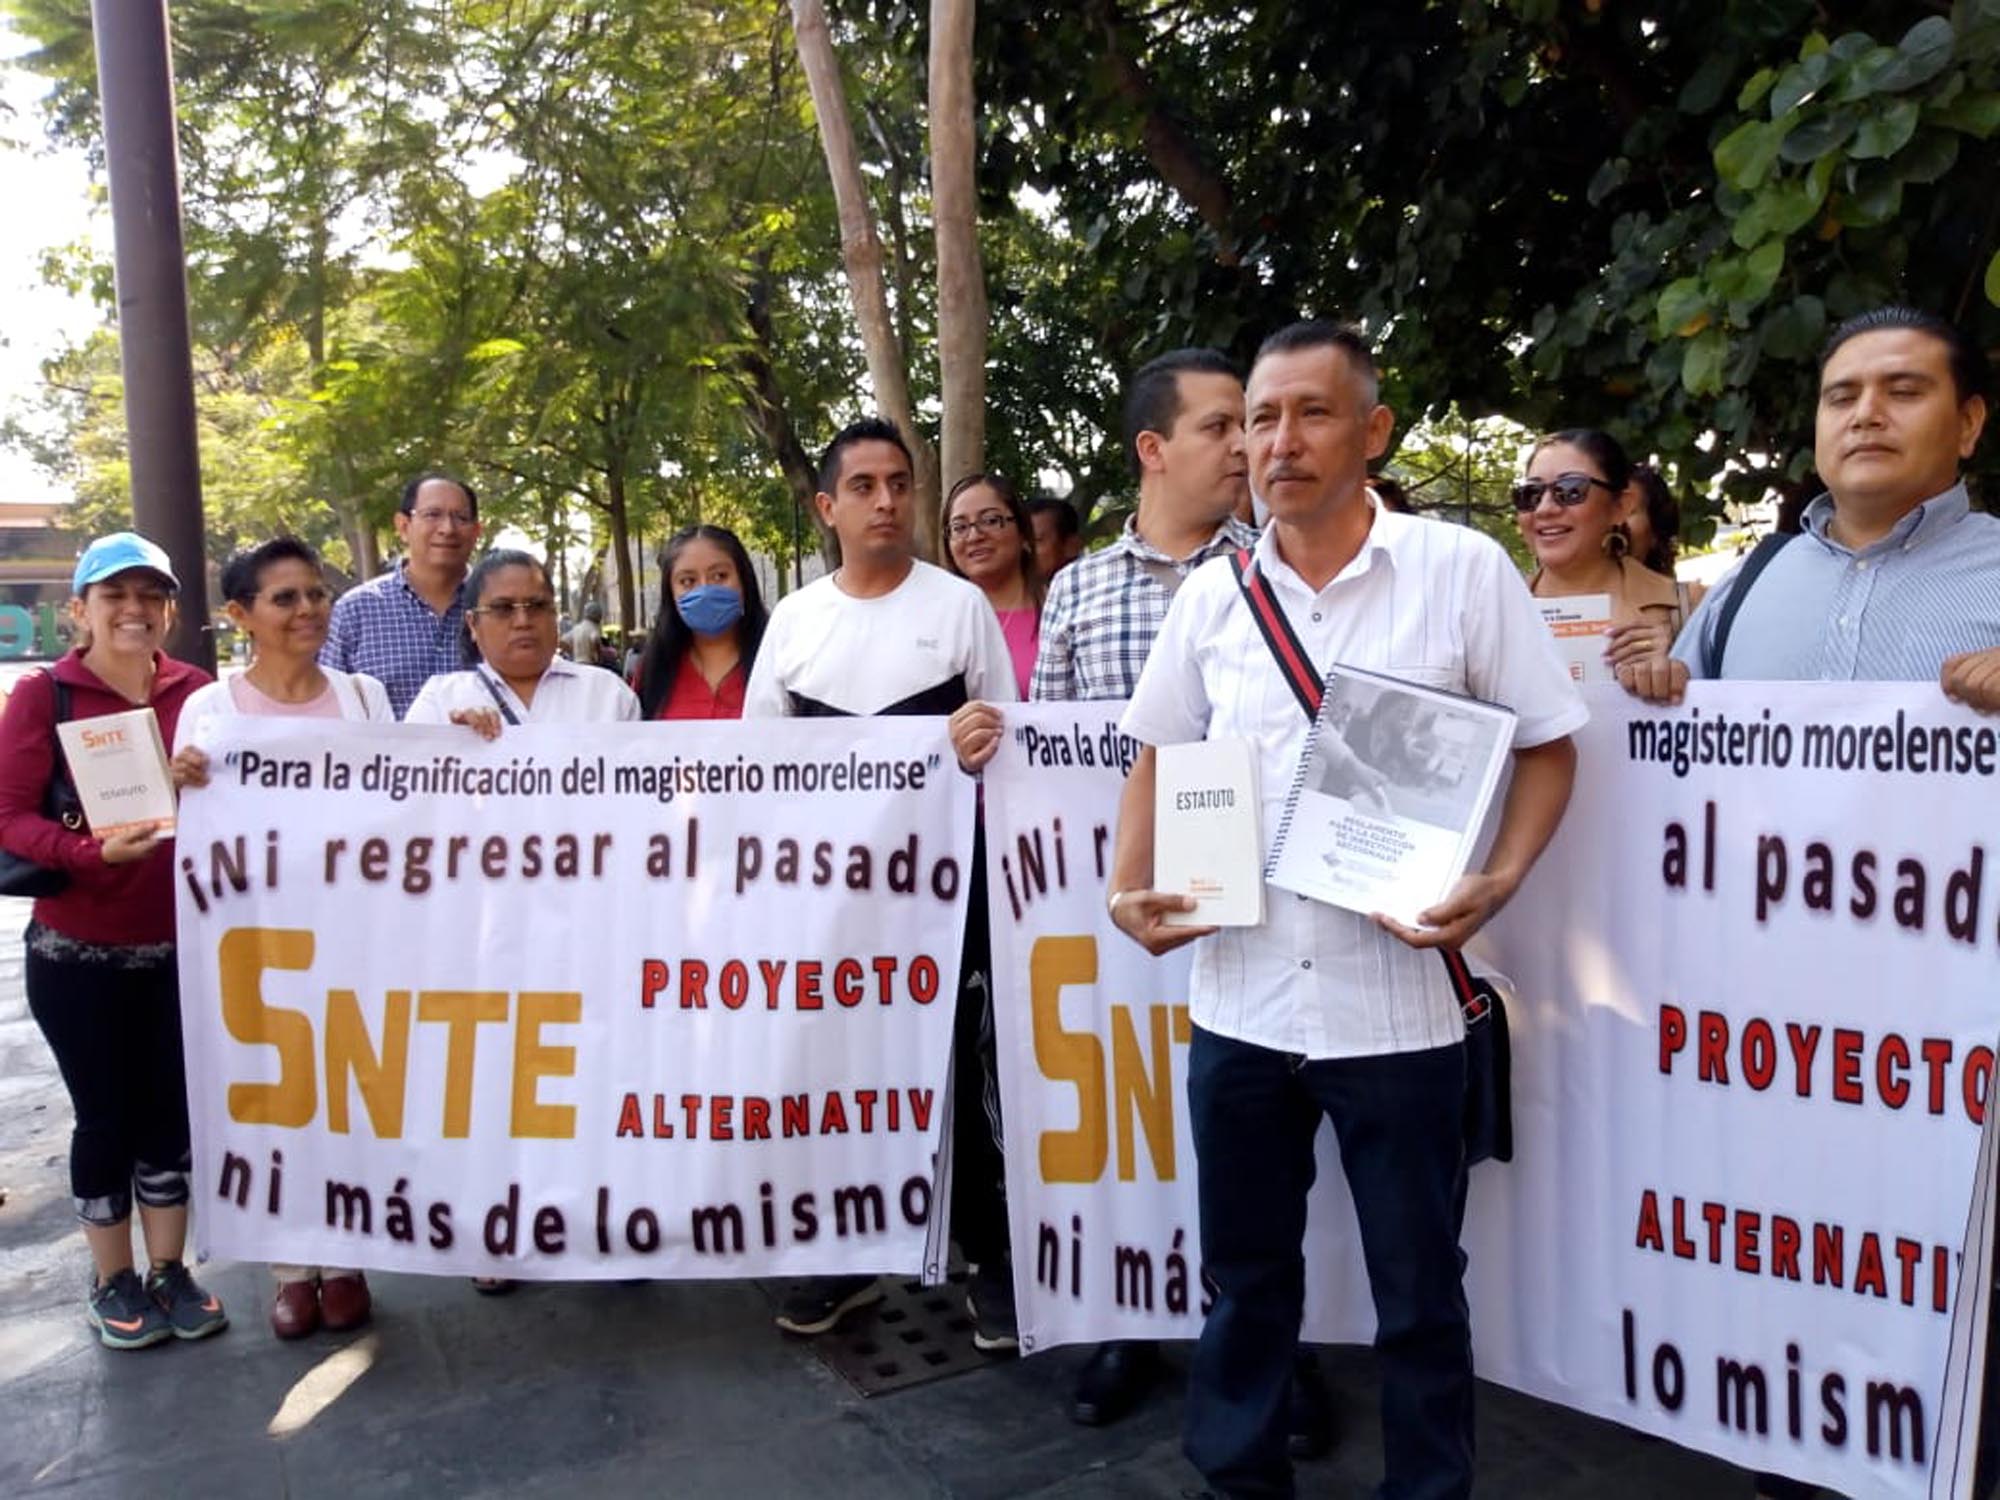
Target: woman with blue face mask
<point>705,636</point>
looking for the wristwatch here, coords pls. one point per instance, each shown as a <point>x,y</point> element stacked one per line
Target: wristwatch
<point>1111,902</point>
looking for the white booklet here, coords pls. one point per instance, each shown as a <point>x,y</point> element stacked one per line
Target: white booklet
<point>1578,625</point>
<point>1390,794</point>
<point>119,765</point>
<point>1207,842</point>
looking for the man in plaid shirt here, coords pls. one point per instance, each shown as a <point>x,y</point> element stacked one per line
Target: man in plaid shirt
<point>408,625</point>
<point>1183,430</point>
<point>1184,439</point>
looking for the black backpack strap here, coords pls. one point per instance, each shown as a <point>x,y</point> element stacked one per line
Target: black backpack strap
<point>1725,619</point>
<point>1294,665</point>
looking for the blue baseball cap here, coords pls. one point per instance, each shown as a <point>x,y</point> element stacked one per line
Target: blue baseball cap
<point>121,552</point>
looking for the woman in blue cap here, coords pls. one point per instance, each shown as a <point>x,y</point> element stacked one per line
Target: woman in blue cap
<point>100,952</point>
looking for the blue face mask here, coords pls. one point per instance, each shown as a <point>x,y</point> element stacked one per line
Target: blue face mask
<point>710,609</point>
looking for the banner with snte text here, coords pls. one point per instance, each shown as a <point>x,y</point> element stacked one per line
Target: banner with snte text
<point>603,1001</point>
<point>1754,1015</point>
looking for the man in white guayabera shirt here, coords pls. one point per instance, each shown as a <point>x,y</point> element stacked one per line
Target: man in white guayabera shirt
<point>1319,1011</point>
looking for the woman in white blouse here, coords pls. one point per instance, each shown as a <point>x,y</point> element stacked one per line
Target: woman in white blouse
<point>277,596</point>
<point>516,677</point>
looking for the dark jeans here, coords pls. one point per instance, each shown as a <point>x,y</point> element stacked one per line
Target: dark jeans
<point>116,1034</point>
<point>1399,1122</point>
<point>979,1172</point>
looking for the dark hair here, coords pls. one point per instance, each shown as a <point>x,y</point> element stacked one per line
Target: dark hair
<point>1324,333</point>
<point>1024,529</point>
<point>1969,372</point>
<point>1153,394</point>
<point>867,430</point>
<point>475,589</point>
<point>1663,515</point>
<point>408,504</point>
<point>1392,494</point>
<point>1601,448</point>
<point>668,641</point>
<point>1067,524</point>
<point>244,573</point>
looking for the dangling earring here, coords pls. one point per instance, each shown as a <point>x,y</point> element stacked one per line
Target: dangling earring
<point>1618,541</point>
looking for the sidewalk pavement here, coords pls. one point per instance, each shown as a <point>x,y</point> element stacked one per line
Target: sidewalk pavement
<point>667,1388</point>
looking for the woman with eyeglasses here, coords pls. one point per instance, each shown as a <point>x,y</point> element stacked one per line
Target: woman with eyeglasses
<point>1571,508</point>
<point>513,673</point>
<point>515,676</point>
<point>277,596</point>
<point>704,639</point>
<point>990,540</point>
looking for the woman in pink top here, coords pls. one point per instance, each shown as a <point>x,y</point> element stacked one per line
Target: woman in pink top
<point>277,596</point>
<point>990,540</point>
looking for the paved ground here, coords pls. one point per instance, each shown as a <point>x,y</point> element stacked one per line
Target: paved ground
<point>605,1390</point>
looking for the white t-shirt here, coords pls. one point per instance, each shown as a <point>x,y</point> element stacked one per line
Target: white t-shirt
<point>1423,600</point>
<point>933,639</point>
<point>357,695</point>
<point>567,694</point>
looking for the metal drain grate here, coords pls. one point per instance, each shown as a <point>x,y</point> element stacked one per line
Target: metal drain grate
<point>914,1335</point>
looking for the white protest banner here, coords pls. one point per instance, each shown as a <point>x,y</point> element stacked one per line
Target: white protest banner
<point>602,1001</point>
<point>1753,1044</point>
<point>1092,1036</point>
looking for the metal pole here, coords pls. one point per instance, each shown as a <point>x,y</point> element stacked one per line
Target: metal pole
<point>135,85</point>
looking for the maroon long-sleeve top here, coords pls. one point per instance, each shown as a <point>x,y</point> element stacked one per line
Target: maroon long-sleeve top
<point>129,903</point>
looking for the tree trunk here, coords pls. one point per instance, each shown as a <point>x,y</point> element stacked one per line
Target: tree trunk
<point>362,544</point>
<point>757,376</point>
<point>861,251</point>
<point>1172,151</point>
<point>961,311</point>
<point>621,539</point>
<point>363,547</point>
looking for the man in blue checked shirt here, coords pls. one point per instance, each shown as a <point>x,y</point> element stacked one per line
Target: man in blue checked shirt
<point>407,626</point>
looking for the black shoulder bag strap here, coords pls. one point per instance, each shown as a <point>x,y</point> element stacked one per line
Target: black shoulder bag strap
<point>1725,619</point>
<point>493,692</point>
<point>60,802</point>
<point>1295,666</point>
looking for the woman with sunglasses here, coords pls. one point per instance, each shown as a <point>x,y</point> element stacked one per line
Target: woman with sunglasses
<point>277,596</point>
<point>513,674</point>
<point>990,540</point>
<point>1571,508</point>
<point>705,637</point>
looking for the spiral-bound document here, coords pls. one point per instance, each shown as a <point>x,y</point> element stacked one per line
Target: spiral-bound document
<point>1390,794</point>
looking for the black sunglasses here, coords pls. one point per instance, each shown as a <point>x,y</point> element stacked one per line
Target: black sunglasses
<point>1568,489</point>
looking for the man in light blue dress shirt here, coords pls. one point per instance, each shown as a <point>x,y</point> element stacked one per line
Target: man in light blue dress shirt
<point>1893,577</point>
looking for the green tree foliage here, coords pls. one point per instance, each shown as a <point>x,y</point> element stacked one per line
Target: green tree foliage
<point>643,283</point>
<point>587,250</point>
<point>1643,217</point>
